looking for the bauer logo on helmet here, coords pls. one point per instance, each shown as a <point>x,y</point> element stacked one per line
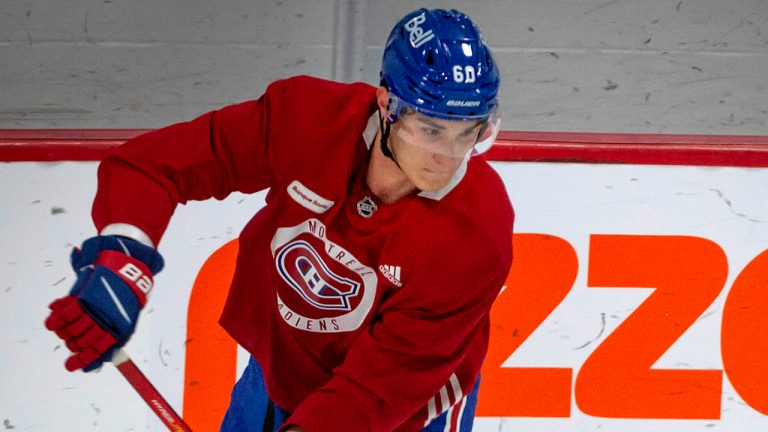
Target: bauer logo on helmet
<point>462,103</point>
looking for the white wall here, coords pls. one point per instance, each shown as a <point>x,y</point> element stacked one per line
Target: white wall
<point>672,66</point>
<point>44,212</point>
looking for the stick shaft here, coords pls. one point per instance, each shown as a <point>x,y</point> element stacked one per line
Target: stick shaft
<point>149,393</point>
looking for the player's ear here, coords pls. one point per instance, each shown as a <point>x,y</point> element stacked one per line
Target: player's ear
<point>382,98</point>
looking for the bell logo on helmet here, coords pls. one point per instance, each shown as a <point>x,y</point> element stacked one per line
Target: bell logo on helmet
<point>416,34</point>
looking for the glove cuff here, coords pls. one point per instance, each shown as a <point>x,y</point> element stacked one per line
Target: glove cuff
<point>127,230</point>
<point>89,253</point>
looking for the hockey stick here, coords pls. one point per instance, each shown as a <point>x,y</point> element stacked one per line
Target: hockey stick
<point>148,392</point>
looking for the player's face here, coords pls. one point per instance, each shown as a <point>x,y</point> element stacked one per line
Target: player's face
<point>430,150</point>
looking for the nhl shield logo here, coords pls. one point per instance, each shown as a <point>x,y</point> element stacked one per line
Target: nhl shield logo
<point>366,207</point>
<point>303,269</point>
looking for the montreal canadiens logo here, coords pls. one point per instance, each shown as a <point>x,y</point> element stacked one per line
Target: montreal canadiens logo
<point>324,287</point>
<point>301,267</point>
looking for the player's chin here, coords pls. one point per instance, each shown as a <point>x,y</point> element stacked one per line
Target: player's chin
<point>432,182</point>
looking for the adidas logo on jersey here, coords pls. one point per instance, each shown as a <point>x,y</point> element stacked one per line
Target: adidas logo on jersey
<point>392,273</point>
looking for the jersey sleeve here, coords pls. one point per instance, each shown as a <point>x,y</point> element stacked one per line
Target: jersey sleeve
<point>223,151</point>
<point>420,338</point>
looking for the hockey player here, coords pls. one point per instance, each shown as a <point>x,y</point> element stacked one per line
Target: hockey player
<point>363,287</point>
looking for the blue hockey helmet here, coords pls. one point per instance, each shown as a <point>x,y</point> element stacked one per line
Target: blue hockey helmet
<point>437,62</point>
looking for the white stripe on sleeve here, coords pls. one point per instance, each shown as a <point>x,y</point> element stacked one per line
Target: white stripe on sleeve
<point>431,412</point>
<point>457,393</point>
<point>444,399</point>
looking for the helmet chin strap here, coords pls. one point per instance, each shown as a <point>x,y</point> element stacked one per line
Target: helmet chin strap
<point>384,138</point>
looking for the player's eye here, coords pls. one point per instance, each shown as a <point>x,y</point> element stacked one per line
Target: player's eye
<point>431,131</point>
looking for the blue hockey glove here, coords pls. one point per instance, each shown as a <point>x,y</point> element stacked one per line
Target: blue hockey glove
<point>114,277</point>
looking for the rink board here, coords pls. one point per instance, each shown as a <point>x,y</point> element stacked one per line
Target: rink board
<point>638,301</point>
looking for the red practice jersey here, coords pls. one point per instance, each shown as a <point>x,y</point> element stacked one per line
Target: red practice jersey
<point>363,315</point>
